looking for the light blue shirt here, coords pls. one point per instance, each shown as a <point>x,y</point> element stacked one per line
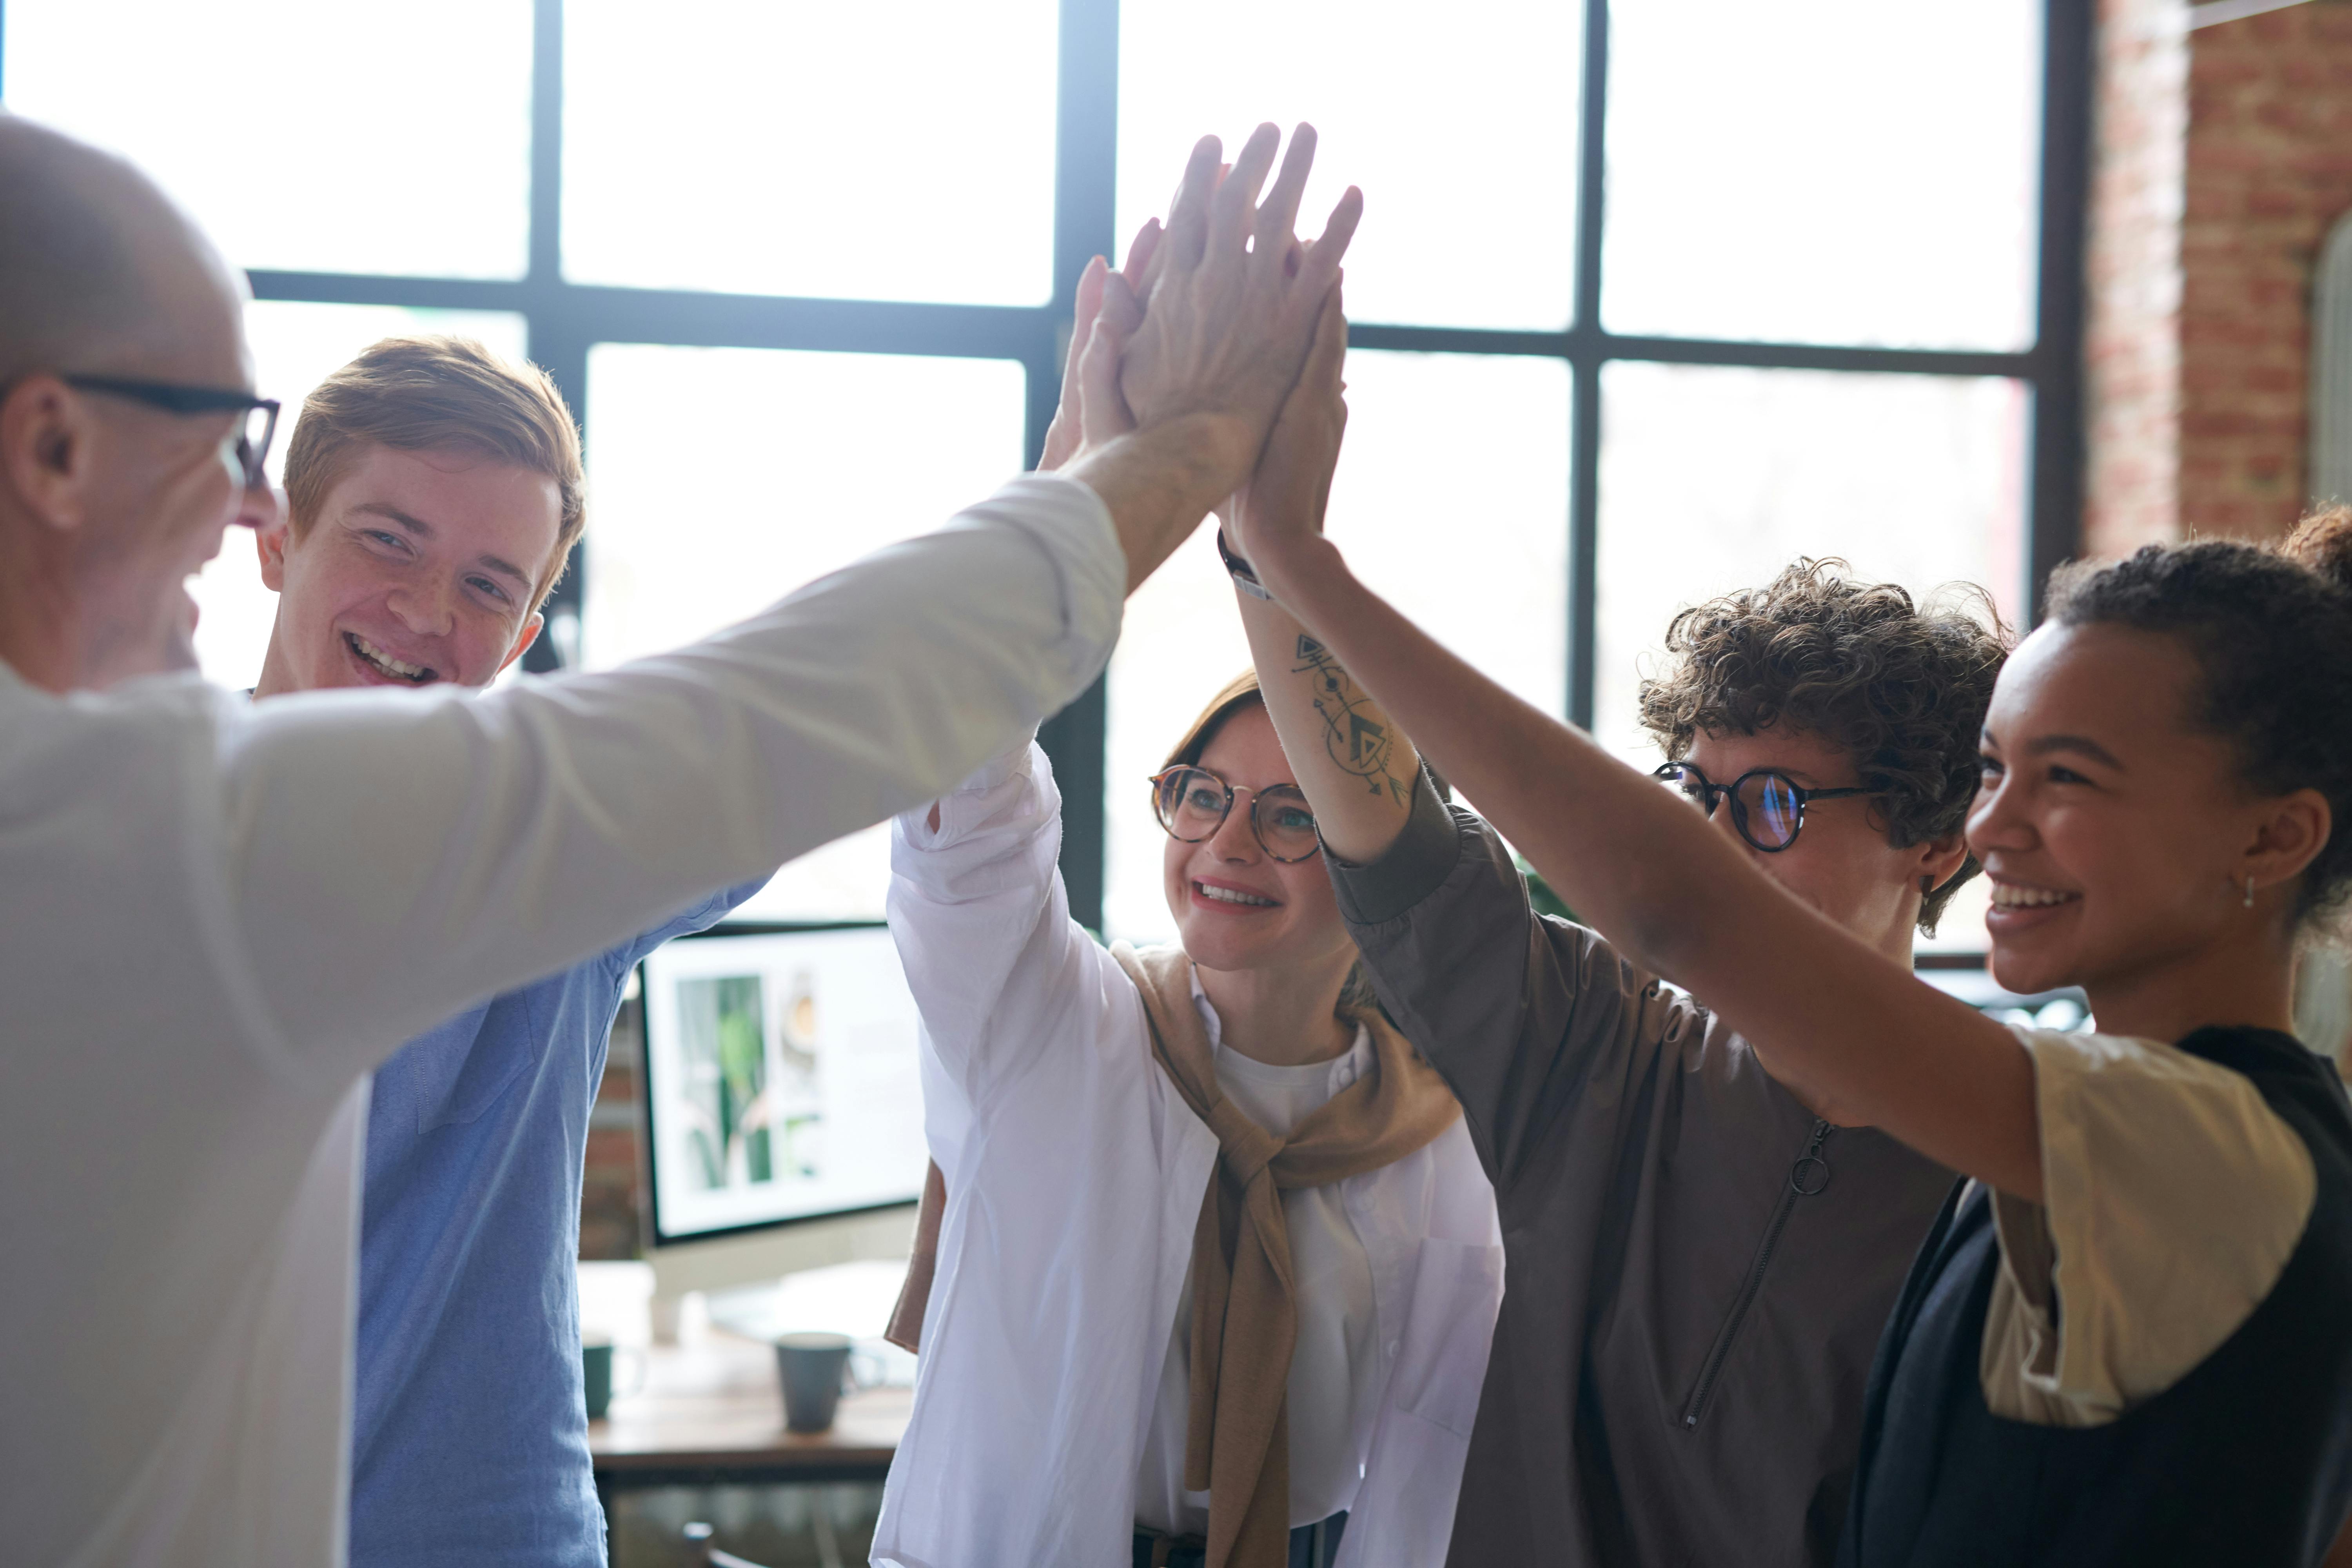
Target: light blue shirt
<point>470,1438</point>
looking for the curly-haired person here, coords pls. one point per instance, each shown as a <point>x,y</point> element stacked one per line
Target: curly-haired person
<point>1698,1261</point>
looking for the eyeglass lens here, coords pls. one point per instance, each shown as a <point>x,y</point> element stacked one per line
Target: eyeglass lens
<point>253,433</point>
<point>1192,804</point>
<point>1766,807</point>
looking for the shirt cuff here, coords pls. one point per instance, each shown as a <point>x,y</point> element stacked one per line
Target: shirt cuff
<point>1073,527</point>
<point>968,805</point>
<point>1415,865</point>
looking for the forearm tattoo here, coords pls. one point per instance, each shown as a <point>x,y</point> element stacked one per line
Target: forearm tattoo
<point>1361,744</point>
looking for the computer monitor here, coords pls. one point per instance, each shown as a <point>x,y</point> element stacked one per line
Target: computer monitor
<point>781,1079</point>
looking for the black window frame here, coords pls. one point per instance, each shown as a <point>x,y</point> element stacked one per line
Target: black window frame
<point>564,320</point>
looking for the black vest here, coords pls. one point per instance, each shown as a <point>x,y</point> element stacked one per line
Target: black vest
<point>2246,1461</point>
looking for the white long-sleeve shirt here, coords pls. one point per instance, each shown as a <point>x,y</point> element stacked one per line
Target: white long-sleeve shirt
<point>1074,1174</point>
<point>215,918</point>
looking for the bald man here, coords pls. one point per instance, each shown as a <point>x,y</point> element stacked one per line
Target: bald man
<point>214,917</point>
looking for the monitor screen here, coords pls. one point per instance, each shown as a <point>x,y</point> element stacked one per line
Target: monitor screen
<point>781,1078</point>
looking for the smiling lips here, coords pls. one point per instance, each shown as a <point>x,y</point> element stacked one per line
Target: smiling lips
<point>1235,896</point>
<point>384,663</point>
<point>2018,895</point>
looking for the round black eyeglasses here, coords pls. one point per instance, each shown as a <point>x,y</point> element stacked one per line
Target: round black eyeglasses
<point>1768,807</point>
<point>1191,804</point>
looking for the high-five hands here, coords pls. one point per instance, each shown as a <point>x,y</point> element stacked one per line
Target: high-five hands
<point>1282,506</point>
<point>1110,307</point>
<point>1232,298</point>
<point>1180,361</point>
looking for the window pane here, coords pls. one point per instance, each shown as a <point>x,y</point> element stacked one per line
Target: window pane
<point>1849,171</point>
<point>1911,478</point>
<point>295,347</point>
<point>1459,123</point>
<point>1450,499</point>
<point>356,137</point>
<point>720,480</point>
<point>843,152</point>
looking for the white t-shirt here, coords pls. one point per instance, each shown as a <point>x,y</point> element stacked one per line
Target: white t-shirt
<point>216,918</point>
<point>1334,1365</point>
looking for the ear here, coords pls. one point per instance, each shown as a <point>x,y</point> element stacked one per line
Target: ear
<point>1938,859</point>
<point>2289,837</point>
<point>271,541</point>
<point>523,639</point>
<point>47,450</point>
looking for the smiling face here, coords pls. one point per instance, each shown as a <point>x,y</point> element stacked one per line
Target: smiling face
<point>2115,835</point>
<point>420,568</point>
<point>1840,863</point>
<point>1235,906</point>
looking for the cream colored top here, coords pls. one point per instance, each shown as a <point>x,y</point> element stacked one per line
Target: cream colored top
<point>2172,1197</point>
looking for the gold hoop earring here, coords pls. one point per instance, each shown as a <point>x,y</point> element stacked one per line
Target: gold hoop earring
<point>2250,892</point>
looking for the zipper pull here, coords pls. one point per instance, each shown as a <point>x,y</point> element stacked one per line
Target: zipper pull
<point>1811,1173</point>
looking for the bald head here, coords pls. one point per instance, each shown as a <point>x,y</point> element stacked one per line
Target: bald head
<point>98,271</point>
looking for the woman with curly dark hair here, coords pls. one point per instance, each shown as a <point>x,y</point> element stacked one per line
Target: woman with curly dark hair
<point>1700,1260</point>
<point>2128,1337</point>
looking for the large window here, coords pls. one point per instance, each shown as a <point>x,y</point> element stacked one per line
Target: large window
<point>1650,297</point>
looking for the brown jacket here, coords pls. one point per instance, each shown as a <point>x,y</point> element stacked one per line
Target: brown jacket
<point>1677,1372</point>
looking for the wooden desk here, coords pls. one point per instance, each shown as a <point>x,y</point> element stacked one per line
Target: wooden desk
<point>714,1414</point>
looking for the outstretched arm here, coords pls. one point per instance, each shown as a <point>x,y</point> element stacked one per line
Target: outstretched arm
<point>1356,766</point>
<point>1847,1032</point>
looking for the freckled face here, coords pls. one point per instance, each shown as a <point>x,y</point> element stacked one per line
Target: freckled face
<point>419,569</point>
<point>1235,906</point>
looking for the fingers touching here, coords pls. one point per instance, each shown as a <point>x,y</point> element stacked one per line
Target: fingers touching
<point>1319,269</point>
<point>1188,214</point>
<point>1103,411</point>
<point>1280,213</point>
<point>1234,203</point>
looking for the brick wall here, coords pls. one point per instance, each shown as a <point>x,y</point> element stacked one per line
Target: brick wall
<point>2131,329</point>
<point>609,1221</point>
<point>2224,155</point>
<point>2270,170</point>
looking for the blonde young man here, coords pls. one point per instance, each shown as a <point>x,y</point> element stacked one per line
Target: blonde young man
<point>432,494</point>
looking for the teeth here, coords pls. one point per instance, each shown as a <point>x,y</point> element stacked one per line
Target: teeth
<point>1230,896</point>
<point>2013,895</point>
<point>384,661</point>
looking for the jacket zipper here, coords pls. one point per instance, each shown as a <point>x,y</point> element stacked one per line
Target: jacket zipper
<point>1807,1177</point>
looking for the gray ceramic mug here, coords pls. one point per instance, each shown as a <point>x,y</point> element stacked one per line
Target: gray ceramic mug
<point>813,1368</point>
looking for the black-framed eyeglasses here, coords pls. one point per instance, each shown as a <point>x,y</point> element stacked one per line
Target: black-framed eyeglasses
<point>258,425</point>
<point>1191,804</point>
<point>1768,806</point>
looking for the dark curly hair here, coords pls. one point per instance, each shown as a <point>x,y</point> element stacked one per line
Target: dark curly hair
<point>1899,688</point>
<point>2270,629</point>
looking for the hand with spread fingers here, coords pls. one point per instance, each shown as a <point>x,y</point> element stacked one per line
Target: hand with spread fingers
<point>1232,298</point>
<point>1180,361</point>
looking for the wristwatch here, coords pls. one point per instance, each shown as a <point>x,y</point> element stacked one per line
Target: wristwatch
<point>1244,578</point>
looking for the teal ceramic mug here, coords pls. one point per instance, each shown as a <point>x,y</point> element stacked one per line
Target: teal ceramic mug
<point>596,1352</point>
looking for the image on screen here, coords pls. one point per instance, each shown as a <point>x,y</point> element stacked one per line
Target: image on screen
<point>781,1078</point>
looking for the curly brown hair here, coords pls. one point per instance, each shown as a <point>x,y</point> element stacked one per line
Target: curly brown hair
<point>1900,689</point>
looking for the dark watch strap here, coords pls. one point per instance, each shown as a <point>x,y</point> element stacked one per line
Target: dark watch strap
<point>1244,578</point>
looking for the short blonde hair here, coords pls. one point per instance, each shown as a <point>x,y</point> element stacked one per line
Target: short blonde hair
<point>432,393</point>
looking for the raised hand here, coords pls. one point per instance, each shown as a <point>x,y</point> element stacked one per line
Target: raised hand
<point>1232,298</point>
<point>1284,501</point>
<point>1105,335</point>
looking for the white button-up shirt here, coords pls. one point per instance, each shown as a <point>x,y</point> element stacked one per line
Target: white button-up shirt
<point>1075,1176</point>
<point>216,917</point>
